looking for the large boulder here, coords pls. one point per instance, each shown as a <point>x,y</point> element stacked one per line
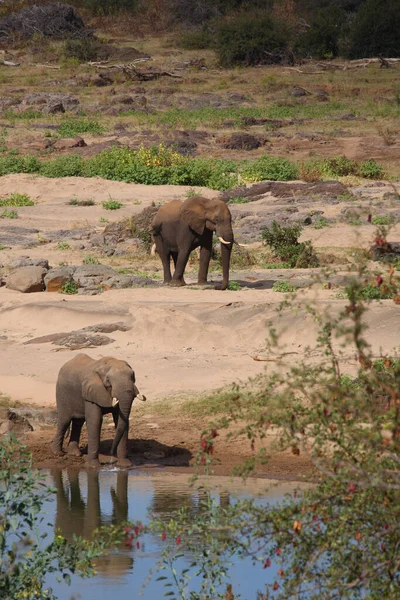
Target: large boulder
<point>27,279</point>
<point>25,261</point>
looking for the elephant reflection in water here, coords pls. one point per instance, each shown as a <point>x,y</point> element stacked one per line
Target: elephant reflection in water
<point>75,516</point>
<point>166,500</point>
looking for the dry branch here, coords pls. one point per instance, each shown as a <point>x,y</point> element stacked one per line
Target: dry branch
<point>133,73</point>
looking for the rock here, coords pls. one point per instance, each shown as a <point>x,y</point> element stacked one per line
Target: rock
<point>56,278</point>
<point>126,100</point>
<point>184,147</point>
<point>27,279</point>
<point>388,253</point>
<point>54,107</point>
<point>16,416</point>
<point>298,92</point>
<point>33,417</point>
<point>66,101</point>
<point>25,261</point>
<point>241,141</point>
<point>102,81</point>
<point>72,142</point>
<point>5,427</point>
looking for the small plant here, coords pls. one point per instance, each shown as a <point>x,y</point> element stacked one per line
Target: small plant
<point>63,246</point>
<point>9,214</point>
<point>103,220</point>
<point>191,193</point>
<point>282,265</point>
<point>234,286</point>
<point>90,260</point>
<point>111,204</point>
<point>84,49</point>
<point>239,200</point>
<point>382,219</point>
<point>16,199</point>
<point>320,223</point>
<point>82,202</point>
<point>2,247</point>
<point>69,287</point>
<point>283,287</point>
<point>284,242</point>
<point>371,170</point>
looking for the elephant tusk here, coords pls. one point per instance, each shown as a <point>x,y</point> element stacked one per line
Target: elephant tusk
<point>153,250</point>
<point>224,241</point>
<point>141,397</point>
<point>242,245</point>
<point>114,402</point>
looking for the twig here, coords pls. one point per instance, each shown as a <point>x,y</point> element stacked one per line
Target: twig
<point>46,66</point>
<point>8,63</point>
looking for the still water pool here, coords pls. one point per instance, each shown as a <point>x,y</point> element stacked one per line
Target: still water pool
<point>86,500</point>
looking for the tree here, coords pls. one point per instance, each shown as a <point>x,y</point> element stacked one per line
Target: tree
<point>375,30</point>
<point>340,538</point>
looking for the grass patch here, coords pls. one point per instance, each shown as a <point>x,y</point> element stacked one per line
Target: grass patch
<point>74,126</point>
<point>9,214</point>
<point>111,204</point>
<point>320,223</point>
<point>90,260</point>
<point>234,286</point>
<point>2,247</point>
<point>16,199</point>
<point>283,265</point>
<point>82,202</point>
<point>382,219</point>
<point>63,246</point>
<point>27,115</point>
<point>283,287</point>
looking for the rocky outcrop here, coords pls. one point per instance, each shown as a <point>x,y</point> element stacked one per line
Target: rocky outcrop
<point>57,278</point>
<point>27,279</point>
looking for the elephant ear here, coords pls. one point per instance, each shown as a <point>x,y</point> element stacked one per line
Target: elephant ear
<point>94,391</point>
<point>193,214</point>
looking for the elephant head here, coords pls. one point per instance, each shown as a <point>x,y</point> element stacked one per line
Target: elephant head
<point>203,213</point>
<point>110,383</point>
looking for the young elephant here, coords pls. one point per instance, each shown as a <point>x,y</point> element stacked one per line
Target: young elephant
<point>86,390</point>
<point>180,227</point>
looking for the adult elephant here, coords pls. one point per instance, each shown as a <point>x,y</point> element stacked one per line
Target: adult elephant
<point>86,390</point>
<point>180,227</point>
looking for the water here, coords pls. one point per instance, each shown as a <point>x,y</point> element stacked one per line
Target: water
<point>86,500</point>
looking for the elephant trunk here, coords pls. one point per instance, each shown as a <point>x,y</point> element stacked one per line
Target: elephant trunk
<point>226,238</point>
<point>124,410</point>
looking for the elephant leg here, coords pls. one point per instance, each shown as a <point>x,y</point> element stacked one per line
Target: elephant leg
<point>122,448</point>
<point>164,254</point>
<point>175,259</point>
<point>205,257</point>
<point>94,420</point>
<point>57,443</point>
<point>183,257</point>
<point>73,446</point>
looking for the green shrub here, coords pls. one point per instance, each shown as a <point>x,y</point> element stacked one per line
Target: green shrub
<point>111,204</point>
<point>375,30</point>
<point>269,167</point>
<point>283,286</point>
<point>321,39</point>
<point>90,260</point>
<point>284,242</point>
<point>16,199</point>
<point>12,163</point>
<point>63,246</point>
<point>69,287</point>
<point>245,39</point>
<point>234,286</point>
<point>63,166</point>
<point>320,223</point>
<point>382,220</point>
<point>371,170</point>
<point>196,40</point>
<point>71,126</point>
<point>84,49</point>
